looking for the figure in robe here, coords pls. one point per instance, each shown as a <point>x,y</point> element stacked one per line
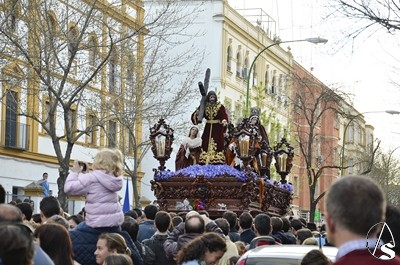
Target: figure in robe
<point>263,141</point>
<point>189,150</point>
<point>217,120</point>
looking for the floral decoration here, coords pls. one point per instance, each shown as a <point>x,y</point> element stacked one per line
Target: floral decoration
<point>286,186</point>
<point>199,205</point>
<point>208,171</point>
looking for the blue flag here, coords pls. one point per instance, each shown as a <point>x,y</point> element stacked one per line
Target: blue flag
<point>126,207</point>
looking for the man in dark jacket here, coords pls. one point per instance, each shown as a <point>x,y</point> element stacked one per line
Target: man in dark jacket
<point>231,217</point>
<point>84,239</point>
<point>194,225</point>
<point>246,222</point>
<point>155,243</point>
<point>147,227</point>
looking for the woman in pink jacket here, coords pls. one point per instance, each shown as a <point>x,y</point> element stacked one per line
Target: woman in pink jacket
<point>100,187</point>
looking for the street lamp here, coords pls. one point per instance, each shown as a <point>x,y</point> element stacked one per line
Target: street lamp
<point>312,40</point>
<point>352,118</point>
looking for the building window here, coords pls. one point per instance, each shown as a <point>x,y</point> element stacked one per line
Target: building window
<point>72,121</point>
<point>245,68</point>
<point>72,41</point>
<point>46,116</point>
<point>266,80</point>
<point>112,134</point>
<point>350,167</point>
<point>350,133</point>
<point>91,122</point>
<point>238,65</point>
<point>12,16</point>
<point>255,75</point>
<point>273,85</point>
<point>130,72</point>
<point>92,47</point>
<point>11,118</point>
<point>229,59</point>
<point>113,73</point>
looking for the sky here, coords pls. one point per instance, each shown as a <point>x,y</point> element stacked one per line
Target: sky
<point>363,67</point>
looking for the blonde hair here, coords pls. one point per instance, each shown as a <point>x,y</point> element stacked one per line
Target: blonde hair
<point>110,161</point>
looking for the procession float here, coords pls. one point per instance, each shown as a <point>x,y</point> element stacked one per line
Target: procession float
<point>228,168</point>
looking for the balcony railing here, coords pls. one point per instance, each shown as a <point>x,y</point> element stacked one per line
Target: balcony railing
<point>14,135</point>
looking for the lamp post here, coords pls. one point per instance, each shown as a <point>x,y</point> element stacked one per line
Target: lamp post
<point>312,40</point>
<point>352,118</point>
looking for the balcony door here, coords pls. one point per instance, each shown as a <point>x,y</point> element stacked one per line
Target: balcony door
<point>11,118</point>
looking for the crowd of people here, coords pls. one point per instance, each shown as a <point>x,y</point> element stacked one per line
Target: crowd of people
<point>103,234</point>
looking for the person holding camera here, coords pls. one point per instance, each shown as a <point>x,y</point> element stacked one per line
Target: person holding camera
<point>100,187</point>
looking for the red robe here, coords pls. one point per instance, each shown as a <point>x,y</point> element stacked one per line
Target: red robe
<point>214,114</point>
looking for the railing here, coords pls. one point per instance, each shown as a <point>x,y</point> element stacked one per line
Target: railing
<point>14,135</point>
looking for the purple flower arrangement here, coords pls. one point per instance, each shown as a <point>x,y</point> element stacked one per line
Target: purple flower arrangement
<point>208,171</point>
<point>285,186</point>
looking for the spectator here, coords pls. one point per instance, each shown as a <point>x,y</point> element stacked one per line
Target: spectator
<point>287,231</point>
<point>146,226</point>
<point>393,222</point>
<point>132,228</point>
<point>117,259</point>
<point>262,228</point>
<point>109,243</point>
<point>26,210</point>
<point>245,223</point>
<point>156,242</point>
<point>55,241</point>
<point>303,222</point>
<point>241,247</point>
<point>310,241</point>
<point>231,249</point>
<point>2,194</point>
<point>16,245</point>
<point>12,215</point>
<point>100,187</point>
<point>45,184</point>
<point>58,219</point>
<point>176,220</point>
<point>139,214</point>
<point>36,218</point>
<point>131,213</point>
<point>303,234</point>
<point>233,260</point>
<point>194,225</point>
<point>231,217</point>
<point>296,225</point>
<point>74,220</point>
<point>84,239</point>
<point>349,221</point>
<point>277,232</point>
<point>49,206</point>
<point>207,248</point>
<point>315,257</point>
<point>311,226</point>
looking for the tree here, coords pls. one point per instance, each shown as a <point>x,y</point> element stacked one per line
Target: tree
<point>67,69</point>
<point>368,16</point>
<point>314,109</point>
<point>385,171</point>
<point>166,83</point>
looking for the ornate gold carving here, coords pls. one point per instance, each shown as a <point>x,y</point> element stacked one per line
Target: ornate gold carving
<point>212,156</point>
<point>212,110</point>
